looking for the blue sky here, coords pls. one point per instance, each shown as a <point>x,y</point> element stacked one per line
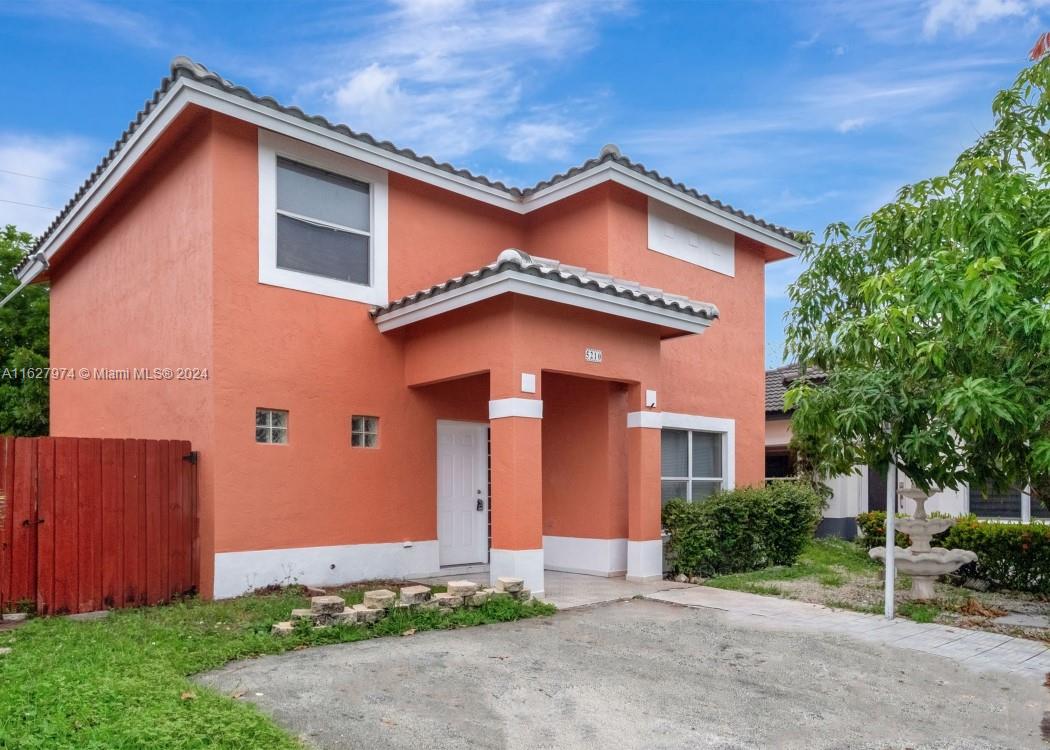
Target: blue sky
<point>802,113</point>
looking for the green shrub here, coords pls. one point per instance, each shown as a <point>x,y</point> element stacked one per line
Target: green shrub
<point>873,527</point>
<point>741,530</point>
<point>1009,555</point>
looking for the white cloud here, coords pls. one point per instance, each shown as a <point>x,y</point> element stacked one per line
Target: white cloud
<point>965,16</point>
<point>850,123</point>
<point>449,77</point>
<point>38,175</point>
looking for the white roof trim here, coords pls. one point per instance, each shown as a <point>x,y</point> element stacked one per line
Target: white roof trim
<point>186,91</point>
<point>516,282</point>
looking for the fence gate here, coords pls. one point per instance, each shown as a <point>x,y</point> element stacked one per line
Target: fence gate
<point>90,523</point>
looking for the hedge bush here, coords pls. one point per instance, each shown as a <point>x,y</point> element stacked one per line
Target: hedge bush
<point>741,530</point>
<point>873,527</point>
<point>1009,555</point>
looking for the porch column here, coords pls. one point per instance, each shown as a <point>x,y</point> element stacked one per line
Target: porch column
<point>517,490</point>
<point>644,546</point>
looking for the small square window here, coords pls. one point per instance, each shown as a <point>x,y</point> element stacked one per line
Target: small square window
<point>364,432</point>
<point>271,426</point>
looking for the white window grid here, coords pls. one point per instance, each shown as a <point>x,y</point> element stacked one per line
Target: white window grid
<point>364,431</point>
<point>689,463</point>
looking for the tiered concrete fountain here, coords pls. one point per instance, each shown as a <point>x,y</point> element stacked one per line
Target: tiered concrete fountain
<point>921,561</point>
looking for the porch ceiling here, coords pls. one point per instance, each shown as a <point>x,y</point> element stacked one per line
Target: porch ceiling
<point>516,272</point>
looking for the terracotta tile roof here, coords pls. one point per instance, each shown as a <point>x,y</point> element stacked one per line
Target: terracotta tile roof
<point>183,67</point>
<point>516,260</point>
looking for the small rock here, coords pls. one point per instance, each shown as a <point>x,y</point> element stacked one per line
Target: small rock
<point>681,578</point>
<point>697,580</point>
<point>16,616</point>
<point>451,601</point>
<point>302,614</point>
<point>510,585</point>
<point>5,650</point>
<point>367,614</point>
<point>415,594</point>
<point>380,599</point>
<point>282,628</point>
<point>327,605</point>
<point>462,588</point>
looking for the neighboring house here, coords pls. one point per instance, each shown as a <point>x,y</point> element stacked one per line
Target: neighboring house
<point>865,490</point>
<point>389,390</point>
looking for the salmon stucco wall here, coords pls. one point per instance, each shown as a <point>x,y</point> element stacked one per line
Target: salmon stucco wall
<point>135,291</point>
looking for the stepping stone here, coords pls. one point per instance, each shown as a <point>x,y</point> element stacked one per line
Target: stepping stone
<point>367,614</point>
<point>327,605</point>
<point>510,585</point>
<point>380,599</point>
<point>302,614</point>
<point>450,601</point>
<point>415,594</point>
<point>462,588</point>
<point>478,598</point>
<point>282,628</point>
<point>348,616</point>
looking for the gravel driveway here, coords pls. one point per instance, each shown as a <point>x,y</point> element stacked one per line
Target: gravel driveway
<point>638,674</point>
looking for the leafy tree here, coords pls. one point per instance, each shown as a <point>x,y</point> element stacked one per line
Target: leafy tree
<point>931,318</point>
<point>23,344</point>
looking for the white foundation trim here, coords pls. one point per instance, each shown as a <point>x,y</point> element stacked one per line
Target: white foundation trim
<point>518,563</point>
<point>516,407</point>
<point>648,419</point>
<point>239,572</point>
<point>645,560</point>
<point>592,557</point>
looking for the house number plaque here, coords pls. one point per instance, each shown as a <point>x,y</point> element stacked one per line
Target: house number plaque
<point>592,355</point>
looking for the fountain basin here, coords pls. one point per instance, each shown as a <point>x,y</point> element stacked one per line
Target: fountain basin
<point>937,562</point>
<point>929,526</point>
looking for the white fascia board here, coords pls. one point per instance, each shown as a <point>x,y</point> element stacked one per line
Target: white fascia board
<point>186,91</point>
<point>508,282</point>
<point>168,108</point>
<point>611,171</point>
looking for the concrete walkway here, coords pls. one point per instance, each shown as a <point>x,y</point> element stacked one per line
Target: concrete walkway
<point>974,649</point>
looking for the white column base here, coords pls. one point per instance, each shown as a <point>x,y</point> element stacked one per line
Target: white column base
<point>518,563</point>
<point>645,560</point>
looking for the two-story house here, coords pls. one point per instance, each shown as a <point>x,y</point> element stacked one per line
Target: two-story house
<point>391,367</point>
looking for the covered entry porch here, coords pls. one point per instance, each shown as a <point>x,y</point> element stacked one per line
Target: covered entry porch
<point>568,477</point>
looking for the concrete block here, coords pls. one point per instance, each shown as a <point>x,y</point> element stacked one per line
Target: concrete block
<point>302,614</point>
<point>347,617</point>
<point>478,598</point>
<point>462,588</point>
<point>366,614</point>
<point>451,601</point>
<point>510,585</point>
<point>327,605</point>
<point>380,599</point>
<point>523,596</point>
<point>415,594</point>
<point>282,628</point>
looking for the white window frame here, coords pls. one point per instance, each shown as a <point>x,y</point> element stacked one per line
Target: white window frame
<point>271,430</point>
<point>365,432</point>
<point>694,423</point>
<point>272,146</point>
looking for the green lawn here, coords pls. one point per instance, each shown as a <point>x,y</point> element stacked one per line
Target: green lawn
<point>122,682</point>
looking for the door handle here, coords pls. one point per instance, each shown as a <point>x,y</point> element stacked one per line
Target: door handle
<point>481,504</point>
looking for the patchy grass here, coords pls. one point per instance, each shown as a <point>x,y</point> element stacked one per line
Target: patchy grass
<point>840,574</point>
<point>122,682</point>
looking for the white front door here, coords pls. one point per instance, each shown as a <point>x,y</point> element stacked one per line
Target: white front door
<point>462,492</point>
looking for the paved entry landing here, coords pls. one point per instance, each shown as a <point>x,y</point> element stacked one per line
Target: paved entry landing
<point>568,590</point>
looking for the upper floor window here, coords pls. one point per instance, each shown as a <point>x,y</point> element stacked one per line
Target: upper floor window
<point>322,221</point>
<point>271,426</point>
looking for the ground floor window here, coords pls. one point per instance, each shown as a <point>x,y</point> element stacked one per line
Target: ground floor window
<point>1011,504</point>
<point>692,465</point>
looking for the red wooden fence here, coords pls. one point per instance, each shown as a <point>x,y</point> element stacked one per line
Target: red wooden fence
<point>89,523</point>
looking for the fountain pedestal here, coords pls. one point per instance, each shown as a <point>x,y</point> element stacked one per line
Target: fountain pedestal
<point>921,561</point>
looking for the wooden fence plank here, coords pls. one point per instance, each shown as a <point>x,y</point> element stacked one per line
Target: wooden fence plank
<point>195,525</point>
<point>154,520</point>
<point>23,523</point>
<point>7,467</point>
<point>112,540</point>
<point>89,520</point>
<point>134,523</point>
<point>45,533</point>
<point>66,524</point>
<point>177,582</point>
